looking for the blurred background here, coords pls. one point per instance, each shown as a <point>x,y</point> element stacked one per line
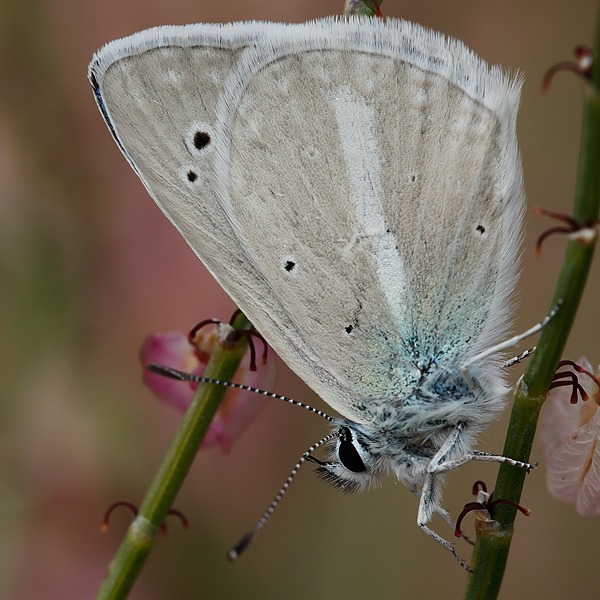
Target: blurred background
<point>89,266</point>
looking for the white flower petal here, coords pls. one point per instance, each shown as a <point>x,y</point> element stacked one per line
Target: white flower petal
<point>573,469</point>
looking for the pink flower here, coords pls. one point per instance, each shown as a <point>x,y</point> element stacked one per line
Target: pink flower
<point>237,409</point>
<point>570,434</point>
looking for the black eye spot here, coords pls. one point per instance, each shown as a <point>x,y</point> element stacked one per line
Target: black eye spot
<point>350,458</point>
<point>480,228</point>
<point>348,454</point>
<point>289,266</point>
<point>192,176</point>
<point>413,177</point>
<point>201,139</point>
<point>349,328</point>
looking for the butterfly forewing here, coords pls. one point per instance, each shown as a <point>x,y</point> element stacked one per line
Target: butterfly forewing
<point>352,197</point>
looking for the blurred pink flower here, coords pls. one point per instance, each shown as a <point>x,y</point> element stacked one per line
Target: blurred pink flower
<point>237,409</point>
<point>570,434</point>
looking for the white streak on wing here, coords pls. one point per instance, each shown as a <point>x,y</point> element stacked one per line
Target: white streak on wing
<point>356,124</point>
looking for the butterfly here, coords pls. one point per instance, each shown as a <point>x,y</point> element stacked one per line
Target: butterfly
<point>355,186</point>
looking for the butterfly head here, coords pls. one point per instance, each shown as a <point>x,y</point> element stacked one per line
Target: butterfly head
<point>353,466</point>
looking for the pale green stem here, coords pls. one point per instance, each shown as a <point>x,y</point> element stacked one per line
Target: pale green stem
<point>491,550</point>
<point>143,531</point>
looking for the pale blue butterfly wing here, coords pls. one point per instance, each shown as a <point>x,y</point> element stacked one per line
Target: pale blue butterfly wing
<point>360,197</point>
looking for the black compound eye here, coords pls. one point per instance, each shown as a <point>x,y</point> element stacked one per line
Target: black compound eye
<point>349,455</point>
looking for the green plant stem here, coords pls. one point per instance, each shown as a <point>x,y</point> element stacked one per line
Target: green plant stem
<point>491,550</point>
<point>143,531</point>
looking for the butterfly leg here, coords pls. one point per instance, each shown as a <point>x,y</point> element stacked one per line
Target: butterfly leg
<point>440,511</point>
<point>477,455</point>
<point>428,504</point>
<point>464,367</point>
<point>449,465</point>
<point>517,359</point>
<point>443,461</point>
<point>452,454</point>
<point>431,493</point>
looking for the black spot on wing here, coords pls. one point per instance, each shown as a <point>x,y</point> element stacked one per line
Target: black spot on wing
<point>201,139</point>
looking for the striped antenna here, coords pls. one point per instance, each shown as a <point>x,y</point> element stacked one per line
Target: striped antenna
<point>245,540</point>
<point>183,376</point>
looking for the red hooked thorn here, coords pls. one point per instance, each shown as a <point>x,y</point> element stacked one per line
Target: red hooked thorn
<point>487,505</point>
<point>112,507</point>
<point>571,226</point>
<point>583,66</point>
<point>573,380</point>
